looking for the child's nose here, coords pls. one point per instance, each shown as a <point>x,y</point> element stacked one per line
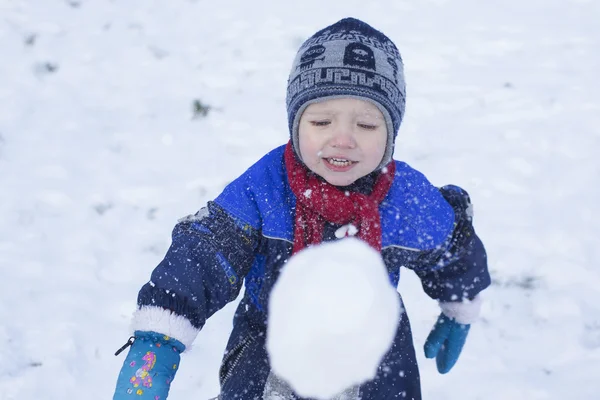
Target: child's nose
<point>343,137</point>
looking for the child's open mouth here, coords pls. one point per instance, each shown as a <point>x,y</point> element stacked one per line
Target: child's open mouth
<point>339,164</point>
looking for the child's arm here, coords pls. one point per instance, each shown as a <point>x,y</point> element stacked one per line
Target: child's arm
<point>458,271</point>
<point>203,270</point>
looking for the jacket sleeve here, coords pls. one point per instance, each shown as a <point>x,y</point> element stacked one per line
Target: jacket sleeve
<point>458,270</point>
<point>203,270</point>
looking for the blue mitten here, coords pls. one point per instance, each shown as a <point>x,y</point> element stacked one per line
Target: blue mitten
<point>149,367</point>
<point>445,342</point>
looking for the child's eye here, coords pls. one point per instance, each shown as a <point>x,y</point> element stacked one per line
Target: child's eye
<point>320,123</point>
<point>367,126</point>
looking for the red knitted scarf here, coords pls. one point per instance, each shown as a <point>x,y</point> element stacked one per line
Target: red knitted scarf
<point>318,201</point>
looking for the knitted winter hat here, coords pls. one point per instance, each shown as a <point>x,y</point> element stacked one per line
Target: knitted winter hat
<point>348,59</point>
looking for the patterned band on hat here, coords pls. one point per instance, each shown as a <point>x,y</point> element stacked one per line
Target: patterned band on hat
<point>348,59</point>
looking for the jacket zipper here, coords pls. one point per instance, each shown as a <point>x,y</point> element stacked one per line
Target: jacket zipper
<point>240,349</point>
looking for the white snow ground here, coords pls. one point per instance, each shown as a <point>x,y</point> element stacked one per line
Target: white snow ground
<point>99,156</point>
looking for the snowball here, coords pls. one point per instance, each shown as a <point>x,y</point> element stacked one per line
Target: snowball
<point>333,315</point>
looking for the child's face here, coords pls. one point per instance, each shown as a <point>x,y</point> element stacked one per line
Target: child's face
<point>343,139</point>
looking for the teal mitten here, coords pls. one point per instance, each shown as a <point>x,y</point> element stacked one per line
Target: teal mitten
<point>445,342</point>
<point>149,367</point>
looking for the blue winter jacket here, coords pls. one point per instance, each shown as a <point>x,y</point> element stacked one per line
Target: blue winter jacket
<point>245,235</point>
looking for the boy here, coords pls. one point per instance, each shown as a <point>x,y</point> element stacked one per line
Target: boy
<point>336,177</point>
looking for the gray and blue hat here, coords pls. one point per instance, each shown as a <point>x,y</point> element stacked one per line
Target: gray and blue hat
<point>348,59</point>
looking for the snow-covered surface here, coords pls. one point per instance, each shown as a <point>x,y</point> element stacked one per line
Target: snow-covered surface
<point>100,155</point>
<point>313,323</point>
